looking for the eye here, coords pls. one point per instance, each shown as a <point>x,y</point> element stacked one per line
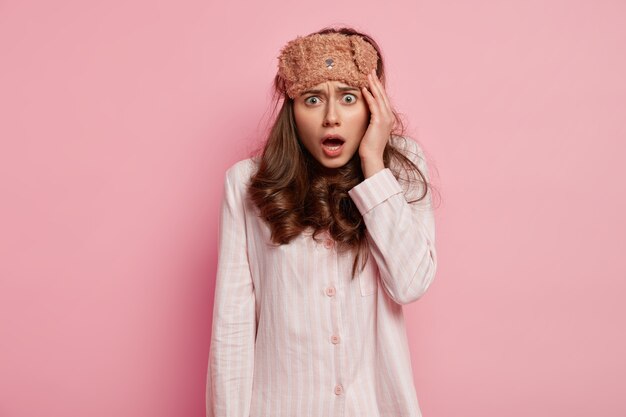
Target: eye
<point>307,100</point>
<point>352,98</point>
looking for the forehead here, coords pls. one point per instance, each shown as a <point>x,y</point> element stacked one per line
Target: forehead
<point>330,85</point>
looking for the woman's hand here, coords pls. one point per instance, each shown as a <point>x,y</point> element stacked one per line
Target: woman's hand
<point>381,123</point>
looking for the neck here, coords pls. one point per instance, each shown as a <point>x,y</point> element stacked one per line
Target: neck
<point>316,169</point>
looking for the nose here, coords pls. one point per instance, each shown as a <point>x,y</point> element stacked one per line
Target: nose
<point>331,118</point>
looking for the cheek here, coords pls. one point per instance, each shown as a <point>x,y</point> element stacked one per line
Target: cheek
<point>361,120</point>
<point>302,121</point>
<point>362,114</point>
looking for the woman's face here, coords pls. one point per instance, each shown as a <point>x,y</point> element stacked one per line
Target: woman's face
<point>331,108</point>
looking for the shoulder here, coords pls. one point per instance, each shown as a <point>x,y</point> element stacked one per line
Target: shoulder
<point>411,182</point>
<point>242,169</point>
<point>407,145</point>
<point>409,148</point>
<point>237,176</point>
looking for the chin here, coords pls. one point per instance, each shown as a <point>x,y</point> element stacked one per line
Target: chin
<point>334,162</point>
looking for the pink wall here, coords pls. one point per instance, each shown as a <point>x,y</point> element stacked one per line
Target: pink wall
<point>118,120</point>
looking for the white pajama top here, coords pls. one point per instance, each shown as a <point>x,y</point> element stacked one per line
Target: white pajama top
<point>293,335</point>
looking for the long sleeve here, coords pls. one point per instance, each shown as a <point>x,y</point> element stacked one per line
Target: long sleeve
<point>231,356</point>
<point>401,235</point>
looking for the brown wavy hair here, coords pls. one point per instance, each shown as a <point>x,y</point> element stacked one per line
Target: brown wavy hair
<point>293,194</point>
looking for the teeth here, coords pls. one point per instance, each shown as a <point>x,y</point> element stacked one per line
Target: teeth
<point>331,144</point>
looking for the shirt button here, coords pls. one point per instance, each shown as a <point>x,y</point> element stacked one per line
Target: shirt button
<point>338,389</point>
<point>335,339</point>
<point>328,243</point>
<point>330,291</point>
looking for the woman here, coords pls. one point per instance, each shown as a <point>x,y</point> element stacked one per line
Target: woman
<point>310,326</point>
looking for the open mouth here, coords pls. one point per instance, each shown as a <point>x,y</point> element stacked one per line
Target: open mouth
<point>332,143</point>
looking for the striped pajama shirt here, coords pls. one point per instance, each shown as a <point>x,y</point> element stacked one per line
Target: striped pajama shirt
<point>293,334</point>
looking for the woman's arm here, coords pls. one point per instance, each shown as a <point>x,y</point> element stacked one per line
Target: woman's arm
<point>231,357</point>
<point>401,235</point>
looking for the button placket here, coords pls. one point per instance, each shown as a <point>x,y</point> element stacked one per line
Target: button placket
<point>328,243</point>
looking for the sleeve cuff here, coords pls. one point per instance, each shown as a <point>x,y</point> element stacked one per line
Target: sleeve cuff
<point>374,190</point>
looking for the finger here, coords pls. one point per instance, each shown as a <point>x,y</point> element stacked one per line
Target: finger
<point>381,90</point>
<point>373,86</point>
<point>379,95</point>
<point>371,101</point>
<point>385,111</point>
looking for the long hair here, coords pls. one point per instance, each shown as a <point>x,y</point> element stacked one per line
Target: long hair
<point>292,195</point>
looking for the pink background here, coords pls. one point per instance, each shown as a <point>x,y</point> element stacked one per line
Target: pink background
<point>118,120</point>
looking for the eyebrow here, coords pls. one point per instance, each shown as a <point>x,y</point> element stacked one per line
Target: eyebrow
<point>318,91</point>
